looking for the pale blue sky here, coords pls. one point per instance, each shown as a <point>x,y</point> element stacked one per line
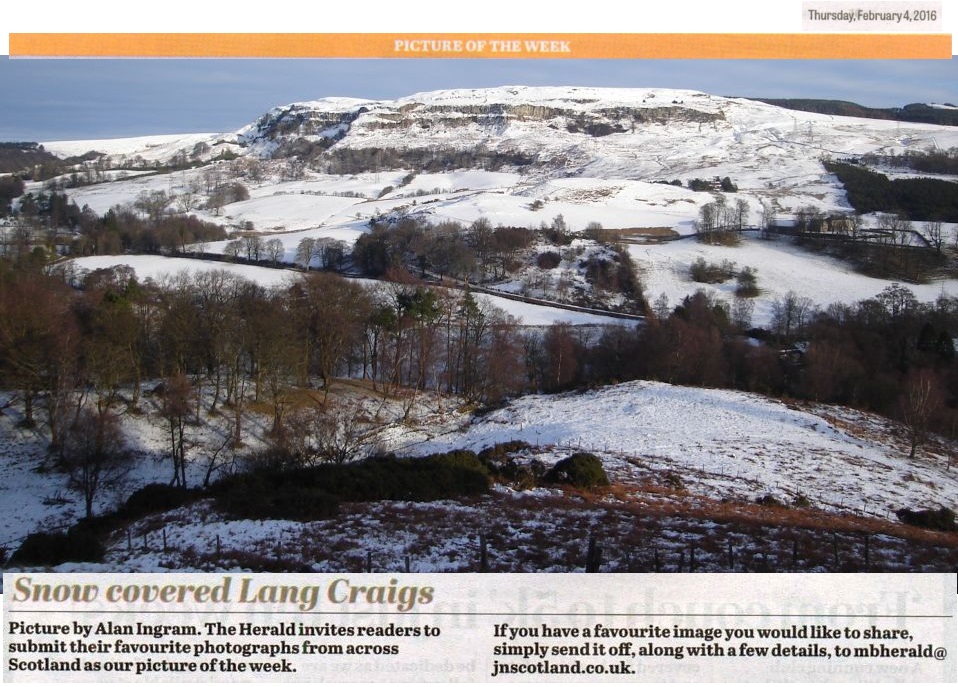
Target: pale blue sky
<point>76,99</point>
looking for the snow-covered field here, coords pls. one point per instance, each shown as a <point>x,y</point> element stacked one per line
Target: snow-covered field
<point>779,267</point>
<point>158,268</point>
<point>159,147</point>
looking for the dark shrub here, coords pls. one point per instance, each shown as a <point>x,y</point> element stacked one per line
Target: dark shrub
<point>712,272</point>
<point>458,473</point>
<point>746,283</point>
<point>582,470</point>
<point>519,476</point>
<point>503,467</point>
<point>503,450</point>
<point>259,500</point>
<point>266,493</point>
<point>769,500</point>
<point>448,475</point>
<point>674,481</point>
<point>53,548</point>
<point>156,498</point>
<point>942,519</point>
<point>548,260</point>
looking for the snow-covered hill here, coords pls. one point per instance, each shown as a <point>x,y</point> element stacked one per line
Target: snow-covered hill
<point>521,156</point>
<point>638,133</point>
<point>725,444</point>
<point>596,132</point>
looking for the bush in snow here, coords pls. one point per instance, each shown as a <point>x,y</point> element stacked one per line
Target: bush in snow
<point>54,548</point>
<point>581,470</point>
<point>157,498</point>
<point>312,493</point>
<point>933,519</point>
<point>506,469</point>
<point>711,272</point>
<point>256,499</point>
<point>548,260</point>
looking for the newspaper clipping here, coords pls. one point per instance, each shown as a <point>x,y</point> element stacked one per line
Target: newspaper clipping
<point>354,389</point>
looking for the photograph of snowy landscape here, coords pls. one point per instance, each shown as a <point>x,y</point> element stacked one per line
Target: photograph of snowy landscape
<point>530,328</point>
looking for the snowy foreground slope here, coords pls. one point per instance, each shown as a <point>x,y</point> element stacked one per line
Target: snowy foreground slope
<point>724,444</point>
<point>687,466</point>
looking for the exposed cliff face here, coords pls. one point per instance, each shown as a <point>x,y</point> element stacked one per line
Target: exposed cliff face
<point>299,121</point>
<point>595,122</point>
<point>492,127</point>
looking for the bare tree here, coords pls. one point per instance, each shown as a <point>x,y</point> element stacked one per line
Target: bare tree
<point>918,404</point>
<point>768,218</point>
<point>305,251</point>
<point>789,314</point>
<point>176,408</point>
<point>933,234</point>
<point>189,197</point>
<point>94,454</point>
<point>741,213</point>
<point>331,432</point>
<point>742,311</point>
<point>331,252</point>
<point>898,301</point>
<point>233,249</point>
<point>274,250</point>
<point>153,203</point>
<point>254,246</point>
<point>707,222</point>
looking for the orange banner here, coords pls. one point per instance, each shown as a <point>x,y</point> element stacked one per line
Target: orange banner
<point>484,45</point>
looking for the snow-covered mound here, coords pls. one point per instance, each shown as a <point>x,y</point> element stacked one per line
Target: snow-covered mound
<point>724,444</point>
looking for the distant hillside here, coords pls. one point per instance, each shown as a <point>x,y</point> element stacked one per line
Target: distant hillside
<point>915,112</point>
<point>18,156</point>
<point>32,159</point>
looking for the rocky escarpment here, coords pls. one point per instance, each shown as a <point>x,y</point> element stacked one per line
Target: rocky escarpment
<point>598,122</point>
<point>487,129</point>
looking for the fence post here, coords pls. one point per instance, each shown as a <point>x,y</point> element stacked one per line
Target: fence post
<point>593,557</point>
<point>483,554</point>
